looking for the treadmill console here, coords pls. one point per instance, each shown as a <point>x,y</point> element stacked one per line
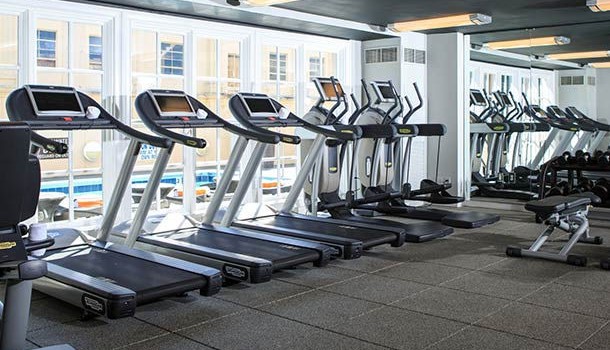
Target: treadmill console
<point>477,98</point>
<point>538,114</point>
<point>556,112</point>
<point>174,109</point>
<point>261,110</point>
<point>56,107</point>
<point>326,89</point>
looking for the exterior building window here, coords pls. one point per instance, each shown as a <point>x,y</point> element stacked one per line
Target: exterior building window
<point>233,66</point>
<point>277,68</point>
<point>172,59</point>
<point>95,52</point>
<point>46,48</point>
<point>315,67</point>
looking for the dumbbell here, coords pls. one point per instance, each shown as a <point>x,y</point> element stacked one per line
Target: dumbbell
<point>565,159</point>
<point>560,189</point>
<point>584,185</point>
<point>602,189</point>
<point>602,158</point>
<point>583,158</point>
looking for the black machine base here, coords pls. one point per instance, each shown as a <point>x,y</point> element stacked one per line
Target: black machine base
<point>417,232</point>
<point>466,220</point>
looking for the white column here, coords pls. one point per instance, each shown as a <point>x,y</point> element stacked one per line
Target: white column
<point>447,104</point>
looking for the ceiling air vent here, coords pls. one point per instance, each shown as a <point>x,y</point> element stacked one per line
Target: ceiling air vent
<point>566,80</point>
<point>578,80</point>
<point>383,55</point>
<point>591,81</point>
<point>415,56</point>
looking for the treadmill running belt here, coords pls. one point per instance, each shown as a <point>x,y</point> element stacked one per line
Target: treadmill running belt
<point>277,253</point>
<point>365,235</point>
<point>139,275</point>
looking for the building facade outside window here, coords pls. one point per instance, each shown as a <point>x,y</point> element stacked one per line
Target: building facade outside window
<point>46,48</point>
<point>95,52</point>
<point>277,66</point>
<point>172,58</point>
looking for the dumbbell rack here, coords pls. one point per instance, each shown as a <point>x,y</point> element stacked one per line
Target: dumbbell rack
<point>574,172</point>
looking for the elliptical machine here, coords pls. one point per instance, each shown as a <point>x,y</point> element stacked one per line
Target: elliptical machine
<point>19,193</point>
<point>327,174</point>
<point>394,171</point>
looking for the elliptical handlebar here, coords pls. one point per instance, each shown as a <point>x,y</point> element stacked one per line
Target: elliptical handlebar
<point>360,110</point>
<point>341,100</point>
<point>412,110</point>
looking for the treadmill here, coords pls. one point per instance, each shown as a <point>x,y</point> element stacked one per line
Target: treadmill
<point>258,112</point>
<point>594,140</point>
<point>327,175</point>
<point>100,277</point>
<point>586,130</point>
<point>241,255</point>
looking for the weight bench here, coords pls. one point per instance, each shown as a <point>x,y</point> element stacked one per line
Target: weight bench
<point>568,214</point>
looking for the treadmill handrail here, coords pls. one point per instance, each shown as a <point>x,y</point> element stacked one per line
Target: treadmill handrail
<point>141,136</point>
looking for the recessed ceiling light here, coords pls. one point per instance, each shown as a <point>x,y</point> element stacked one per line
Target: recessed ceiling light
<point>599,5</point>
<point>600,65</point>
<point>533,42</point>
<point>578,55</point>
<point>442,22</point>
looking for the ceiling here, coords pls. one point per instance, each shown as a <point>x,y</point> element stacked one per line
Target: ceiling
<point>512,19</point>
<point>233,15</point>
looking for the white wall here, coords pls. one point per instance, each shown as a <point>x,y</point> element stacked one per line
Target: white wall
<point>583,97</point>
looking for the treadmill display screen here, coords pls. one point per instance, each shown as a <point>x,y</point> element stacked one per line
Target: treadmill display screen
<point>55,101</point>
<point>557,111</point>
<point>478,98</point>
<point>329,90</point>
<point>173,104</point>
<point>260,106</point>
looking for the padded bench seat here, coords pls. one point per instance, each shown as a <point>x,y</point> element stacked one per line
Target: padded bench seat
<point>557,204</point>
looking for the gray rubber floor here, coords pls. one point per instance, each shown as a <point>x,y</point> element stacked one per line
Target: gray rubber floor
<point>460,292</point>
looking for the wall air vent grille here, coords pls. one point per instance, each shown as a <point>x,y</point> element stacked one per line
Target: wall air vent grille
<point>372,56</point>
<point>578,80</point>
<point>414,56</point>
<point>591,81</point>
<point>389,54</point>
<point>566,80</point>
<point>382,55</point>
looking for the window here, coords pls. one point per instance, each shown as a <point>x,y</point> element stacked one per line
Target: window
<point>276,69</point>
<point>171,58</point>
<point>95,52</point>
<point>69,53</point>
<point>9,68</point>
<point>315,67</point>
<point>46,48</point>
<point>507,81</point>
<point>233,66</point>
